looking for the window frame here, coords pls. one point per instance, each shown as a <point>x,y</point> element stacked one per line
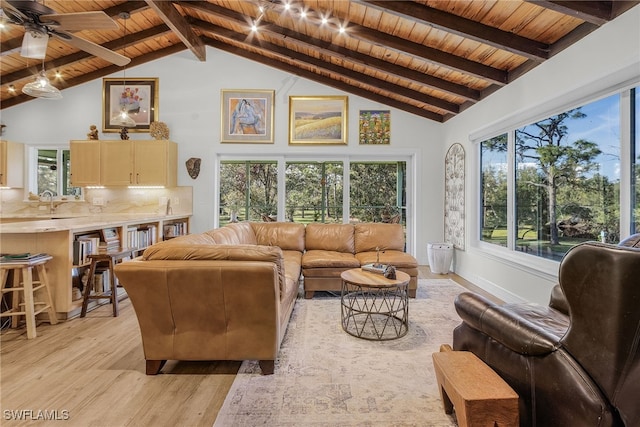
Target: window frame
<point>32,171</point>
<point>408,156</point>
<point>531,263</point>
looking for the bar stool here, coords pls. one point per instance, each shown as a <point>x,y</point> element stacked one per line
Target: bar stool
<point>33,305</point>
<point>111,258</point>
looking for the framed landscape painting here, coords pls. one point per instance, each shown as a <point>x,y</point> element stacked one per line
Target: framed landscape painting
<point>247,116</point>
<point>318,120</point>
<point>138,96</point>
<point>375,127</point>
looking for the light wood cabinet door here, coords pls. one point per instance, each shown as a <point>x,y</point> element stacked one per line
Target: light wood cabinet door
<point>11,164</point>
<point>85,163</point>
<point>116,163</point>
<point>151,160</point>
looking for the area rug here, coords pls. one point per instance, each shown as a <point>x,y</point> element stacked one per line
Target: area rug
<point>326,377</point>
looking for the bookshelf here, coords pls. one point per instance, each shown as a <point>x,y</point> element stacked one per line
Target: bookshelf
<point>63,237</point>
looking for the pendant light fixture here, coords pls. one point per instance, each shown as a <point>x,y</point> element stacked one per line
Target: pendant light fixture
<point>123,119</point>
<point>41,87</point>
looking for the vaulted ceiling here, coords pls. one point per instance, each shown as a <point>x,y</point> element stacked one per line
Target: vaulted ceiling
<point>432,58</point>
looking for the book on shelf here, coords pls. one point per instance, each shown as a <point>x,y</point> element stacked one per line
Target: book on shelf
<point>174,230</point>
<point>142,236</point>
<point>101,281</point>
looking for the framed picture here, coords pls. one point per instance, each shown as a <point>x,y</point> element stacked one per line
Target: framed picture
<point>318,120</point>
<point>138,96</point>
<point>375,127</point>
<point>247,116</point>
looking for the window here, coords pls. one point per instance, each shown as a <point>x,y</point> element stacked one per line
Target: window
<point>52,173</point>
<point>314,192</point>
<point>565,187</point>
<point>568,179</point>
<point>378,191</point>
<point>248,191</point>
<point>493,161</point>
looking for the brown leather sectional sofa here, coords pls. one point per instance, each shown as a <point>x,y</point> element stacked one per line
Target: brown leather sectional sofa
<point>228,293</point>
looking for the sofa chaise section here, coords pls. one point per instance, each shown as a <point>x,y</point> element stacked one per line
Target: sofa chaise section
<point>207,301</point>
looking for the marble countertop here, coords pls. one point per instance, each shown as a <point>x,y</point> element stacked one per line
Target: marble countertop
<point>83,223</point>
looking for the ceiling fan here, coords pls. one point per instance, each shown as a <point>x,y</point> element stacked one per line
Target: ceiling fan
<point>40,22</point>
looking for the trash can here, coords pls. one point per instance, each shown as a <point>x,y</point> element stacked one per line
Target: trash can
<point>440,256</point>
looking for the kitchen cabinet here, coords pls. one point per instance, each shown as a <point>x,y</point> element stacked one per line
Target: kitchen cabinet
<point>118,163</point>
<point>85,163</point>
<point>143,163</point>
<point>11,164</point>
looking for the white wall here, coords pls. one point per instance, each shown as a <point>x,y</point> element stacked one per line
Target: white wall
<point>606,58</point>
<point>190,105</point>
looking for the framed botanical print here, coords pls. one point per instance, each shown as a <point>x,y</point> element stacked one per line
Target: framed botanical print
<point>138,97</point>
<point>374,127</point>
<point>247,116</point>
<point>318,120</point>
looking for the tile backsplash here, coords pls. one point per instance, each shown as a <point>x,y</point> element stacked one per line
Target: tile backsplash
<point>178,200</point>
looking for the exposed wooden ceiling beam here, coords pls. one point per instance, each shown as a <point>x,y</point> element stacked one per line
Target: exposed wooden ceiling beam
<point>170,16</point>
<point>463,27</point>
<point>338,84</point>
<point>330,68</point>
<point>355,57</point>
<point>595,12</point>
<point>120,43</point>
<point>331,50</point>
<point>376,37</point>
<point>99,73</point>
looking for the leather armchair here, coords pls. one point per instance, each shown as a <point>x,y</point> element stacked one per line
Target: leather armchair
<point>575,362</point>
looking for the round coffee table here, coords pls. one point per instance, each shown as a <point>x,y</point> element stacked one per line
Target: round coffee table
<point>374,307</point>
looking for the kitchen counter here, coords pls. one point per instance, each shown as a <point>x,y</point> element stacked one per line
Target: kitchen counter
<point>56,237</point>
<point>81,223</point>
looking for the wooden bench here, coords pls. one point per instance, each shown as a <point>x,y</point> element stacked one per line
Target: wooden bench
<point>480,397</point>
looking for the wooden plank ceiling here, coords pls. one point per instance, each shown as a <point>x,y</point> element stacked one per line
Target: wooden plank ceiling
<point>432,58</point>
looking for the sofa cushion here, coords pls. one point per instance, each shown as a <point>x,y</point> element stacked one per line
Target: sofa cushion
<point>396,258</point>
<point>369,236</point>
<point>192,251</point>
<point>237,233</point>
<point>292,263</point>
<point>330,237</point>
<point>289,236</point>
<point>328,259</point>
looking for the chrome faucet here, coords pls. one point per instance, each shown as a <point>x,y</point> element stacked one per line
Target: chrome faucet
<point>49,196</point>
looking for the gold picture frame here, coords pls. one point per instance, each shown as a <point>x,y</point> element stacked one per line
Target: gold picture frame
<point>247,116</point>
<point>318,120</point>
<point>138,95</point>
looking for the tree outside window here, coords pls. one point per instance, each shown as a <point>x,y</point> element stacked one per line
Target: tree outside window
<point>566,184</point>
<point>248,191</point>
<point>493,161</point>
<point>314,192</point>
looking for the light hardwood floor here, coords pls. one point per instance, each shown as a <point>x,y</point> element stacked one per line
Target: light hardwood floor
<point>92,371</point>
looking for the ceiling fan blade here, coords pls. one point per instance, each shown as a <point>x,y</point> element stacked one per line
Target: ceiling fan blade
<point>92,48</point>
<point>78,21</point>
<point>13,13</point>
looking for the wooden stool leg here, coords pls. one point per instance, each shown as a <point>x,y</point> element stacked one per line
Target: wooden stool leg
<point>44,279</point>
<point>15,301</point>
<point>87,288</point>
<point>27,283</point>
<point>114,288</point>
